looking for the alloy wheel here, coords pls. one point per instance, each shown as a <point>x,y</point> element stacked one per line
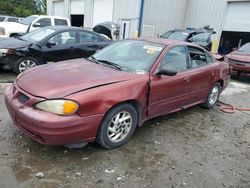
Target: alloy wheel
<point>119,127</point>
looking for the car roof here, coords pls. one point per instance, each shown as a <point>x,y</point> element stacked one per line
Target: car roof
<point>163,41</point>
<point>62,28</point>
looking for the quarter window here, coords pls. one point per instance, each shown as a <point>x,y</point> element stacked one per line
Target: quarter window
<point>176,58</point>
<point>197,57</point>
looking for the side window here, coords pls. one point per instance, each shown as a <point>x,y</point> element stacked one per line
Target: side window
<point>2,19</point>
<point>209,58</point>
<point>87,37</point>
<point>44,22</point>
<point>61,22</point>
<point>12,19</point>
<point>68,37</point>
<point>176,58</point>
<point>197,57</point>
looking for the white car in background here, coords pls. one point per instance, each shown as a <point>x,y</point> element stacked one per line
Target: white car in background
<point>9,29</point>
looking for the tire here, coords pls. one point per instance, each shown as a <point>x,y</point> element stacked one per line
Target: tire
<point>113,133</point>
<point>25,63</point>
<point>213,96</point>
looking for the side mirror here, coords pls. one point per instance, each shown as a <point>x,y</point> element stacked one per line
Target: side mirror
<point>36,24</point>
<point>50,44</point>
<point>219,57</point>
<point>166,70</point>
<point>190,39</point>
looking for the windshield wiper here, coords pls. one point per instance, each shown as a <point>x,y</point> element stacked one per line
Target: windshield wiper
<point>93,59</point>
<point>110,63</point>
<point>98,61</point>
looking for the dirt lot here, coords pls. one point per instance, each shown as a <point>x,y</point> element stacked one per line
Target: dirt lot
<point>193,148</point>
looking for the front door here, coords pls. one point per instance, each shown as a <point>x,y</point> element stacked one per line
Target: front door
<point>169,93</point>
<point>64,48</point>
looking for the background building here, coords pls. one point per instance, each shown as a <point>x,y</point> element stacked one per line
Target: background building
<point>229,18</point>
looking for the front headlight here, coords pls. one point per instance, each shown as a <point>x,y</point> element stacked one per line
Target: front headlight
<point>3,52</point>
<point>58,106</point>
<point>2,31</point>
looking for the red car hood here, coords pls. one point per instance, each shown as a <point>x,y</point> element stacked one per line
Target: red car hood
<point>64,78</point>
<point>245,57</point>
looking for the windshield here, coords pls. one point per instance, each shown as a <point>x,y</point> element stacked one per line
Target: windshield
<point>131,55</point>
<point>28,20</point>
<point>245,48</point>
<point>37,35</point>
<point>175,35</point>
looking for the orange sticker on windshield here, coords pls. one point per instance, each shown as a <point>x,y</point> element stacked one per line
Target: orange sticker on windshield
<point>152,49</point>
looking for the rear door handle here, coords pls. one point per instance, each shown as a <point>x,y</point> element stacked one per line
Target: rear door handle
<point>187,79</point>
<point>93,46</point>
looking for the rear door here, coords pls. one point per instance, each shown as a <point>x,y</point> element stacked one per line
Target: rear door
<point>170,93</point>
<point>88,43</point>
<point>202,73</point>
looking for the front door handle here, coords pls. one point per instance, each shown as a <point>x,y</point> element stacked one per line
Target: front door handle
<point>187,79</point>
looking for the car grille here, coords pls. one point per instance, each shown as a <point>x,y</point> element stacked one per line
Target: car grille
<point>234,62</point>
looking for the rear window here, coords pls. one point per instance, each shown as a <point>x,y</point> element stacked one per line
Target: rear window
<point>1,18</point>
<point>61,22</point>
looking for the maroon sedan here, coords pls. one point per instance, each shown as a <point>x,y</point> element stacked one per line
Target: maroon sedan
<point>240,59</point>
<point>107,96</point>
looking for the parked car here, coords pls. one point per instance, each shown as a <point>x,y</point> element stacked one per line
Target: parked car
<point>239,59</point>
<point>105,97</point>
<point>11,29</point>
<point>201,36</point>
<point>4,18</point>
<point>50,44</point>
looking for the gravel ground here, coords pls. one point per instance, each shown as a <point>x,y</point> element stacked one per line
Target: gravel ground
<point>194,148</point>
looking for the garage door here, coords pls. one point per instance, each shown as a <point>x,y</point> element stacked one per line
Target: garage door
<point>58,8</point>
<point>77,7</point>
<point>238,17</point>
<point>103,11</point>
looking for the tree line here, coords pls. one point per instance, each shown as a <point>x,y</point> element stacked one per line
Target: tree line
<point>22,8</point>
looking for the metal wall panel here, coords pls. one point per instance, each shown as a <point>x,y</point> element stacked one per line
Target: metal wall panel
<point>237,17</point>
<point>164,15</point>
<point>127,10</point>
<point>203,12</point>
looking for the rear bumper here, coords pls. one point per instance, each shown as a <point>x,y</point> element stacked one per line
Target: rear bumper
<point>47,128</point>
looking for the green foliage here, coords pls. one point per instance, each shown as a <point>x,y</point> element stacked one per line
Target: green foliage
<point>22,8</point>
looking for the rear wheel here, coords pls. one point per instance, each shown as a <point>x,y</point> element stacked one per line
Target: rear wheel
<point>213,96</point>
<point>117,126</point>
<point>25,63</point>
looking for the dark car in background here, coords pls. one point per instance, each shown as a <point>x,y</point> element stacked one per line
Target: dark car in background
<point>240,59</point>
<point>201,36</point>
<point>50,44</point>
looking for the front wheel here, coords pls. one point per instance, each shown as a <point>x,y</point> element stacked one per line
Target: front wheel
<point>117,126</point>
<point>25,63</point>
<point>213,96</point>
